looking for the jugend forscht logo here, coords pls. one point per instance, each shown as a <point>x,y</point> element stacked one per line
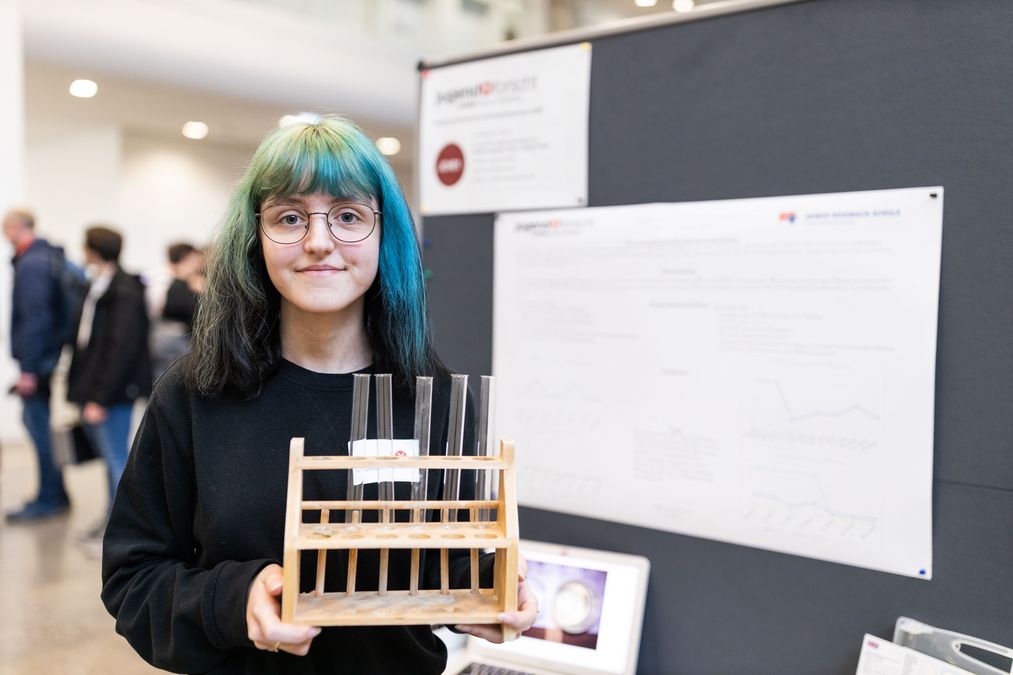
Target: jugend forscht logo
<point>552,226</point>
<point>486,89</point>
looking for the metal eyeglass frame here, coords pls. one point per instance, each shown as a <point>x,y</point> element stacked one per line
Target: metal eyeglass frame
<point>306,230</point>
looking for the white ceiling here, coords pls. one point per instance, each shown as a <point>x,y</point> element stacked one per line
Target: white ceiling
<point>158,109</point>
<point>229,49</point>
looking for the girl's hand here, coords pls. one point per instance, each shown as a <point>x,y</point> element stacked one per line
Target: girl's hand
<point>521,620</point>
<point>263,617</point>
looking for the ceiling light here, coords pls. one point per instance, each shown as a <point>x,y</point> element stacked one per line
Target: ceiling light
<point>645,3</point>
<point>195,130</point>
<point>682,5</point>
<point>388,145</point>
<point>299,118</point>
<point>83,88</point>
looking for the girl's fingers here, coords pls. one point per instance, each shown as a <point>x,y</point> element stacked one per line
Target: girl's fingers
<point>491,632</point>
<point>289,634</point>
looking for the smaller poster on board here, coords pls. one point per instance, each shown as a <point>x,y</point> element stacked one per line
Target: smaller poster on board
<point>505,133</point>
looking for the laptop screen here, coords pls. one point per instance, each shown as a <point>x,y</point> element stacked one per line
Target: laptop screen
<point>591,611</point>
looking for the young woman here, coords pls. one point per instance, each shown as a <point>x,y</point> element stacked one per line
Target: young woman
<point>315,275</point>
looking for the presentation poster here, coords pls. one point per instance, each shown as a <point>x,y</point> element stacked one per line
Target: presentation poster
<point>505,133</point>
<point>757,371</point>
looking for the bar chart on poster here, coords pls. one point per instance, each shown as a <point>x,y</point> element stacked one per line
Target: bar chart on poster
<point>757,371</point>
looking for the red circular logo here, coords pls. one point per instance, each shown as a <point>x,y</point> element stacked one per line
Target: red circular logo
<point>450,164</point>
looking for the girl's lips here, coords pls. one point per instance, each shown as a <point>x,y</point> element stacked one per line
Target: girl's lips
<point>320,269</point>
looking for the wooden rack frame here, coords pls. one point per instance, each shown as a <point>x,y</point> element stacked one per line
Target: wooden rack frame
<point>401,607</point>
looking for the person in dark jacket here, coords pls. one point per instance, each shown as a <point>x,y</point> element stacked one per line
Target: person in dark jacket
<point>111,367</point>
<point>172,309</point>
<point>315,275</point>
<point>36,329</point>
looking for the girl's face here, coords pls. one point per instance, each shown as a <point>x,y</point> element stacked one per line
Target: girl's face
<point>319,274</point>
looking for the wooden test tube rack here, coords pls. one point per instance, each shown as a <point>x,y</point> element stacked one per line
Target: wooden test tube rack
<point>414,606</point>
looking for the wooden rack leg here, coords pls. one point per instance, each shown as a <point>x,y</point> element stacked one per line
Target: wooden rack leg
<point>474,570</point>
<point>384,563</point>
<point>353,562</point>
<point>325,517</point>
<point>473,515</point>
<point>444,572</point>
<point>293,518</point>
<point>384,558</point>
<point>506,585</point>
<point>413,588</point>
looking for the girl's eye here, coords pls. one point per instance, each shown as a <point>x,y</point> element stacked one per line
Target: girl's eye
<point>290,219</point>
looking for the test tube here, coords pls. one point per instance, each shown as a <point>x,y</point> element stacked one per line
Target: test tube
<point>423,424</point>
<point>360,413</point>
<point>385,432</point>
<point>486,417</point>
<point>455,440</point>
<point>420,489</point>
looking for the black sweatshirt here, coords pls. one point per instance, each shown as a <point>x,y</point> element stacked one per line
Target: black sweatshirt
<point>200,511</point>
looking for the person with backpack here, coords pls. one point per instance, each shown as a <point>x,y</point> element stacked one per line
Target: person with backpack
<point>111,367</point>
<point>37,330</point>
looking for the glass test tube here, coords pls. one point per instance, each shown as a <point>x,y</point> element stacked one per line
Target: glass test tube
<point>455,440</point>
<point>423,424</point>
<point>385,432</point>
<point>420,489</point>
<point>360,413</point>
<point>486,417</point>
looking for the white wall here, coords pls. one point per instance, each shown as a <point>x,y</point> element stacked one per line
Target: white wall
<point>11,154</point>
<point>171,190</point>
<point>154,190</point>
<point>70,183</point>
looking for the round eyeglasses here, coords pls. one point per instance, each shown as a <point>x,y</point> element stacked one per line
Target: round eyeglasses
<point>348,222</point>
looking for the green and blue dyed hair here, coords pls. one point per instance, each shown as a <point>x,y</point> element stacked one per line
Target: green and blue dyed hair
<point>235,337</point>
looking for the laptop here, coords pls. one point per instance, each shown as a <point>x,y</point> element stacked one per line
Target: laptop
<point>592,610</point>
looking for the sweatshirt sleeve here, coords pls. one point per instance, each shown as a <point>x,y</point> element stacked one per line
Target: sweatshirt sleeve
<point>175,614</point>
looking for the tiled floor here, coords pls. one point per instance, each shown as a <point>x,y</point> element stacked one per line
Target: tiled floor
<point>53,621</point>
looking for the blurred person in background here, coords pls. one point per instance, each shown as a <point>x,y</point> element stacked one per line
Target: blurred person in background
<point>111,367</point>
<point>36,342</point>
<point>173,306</point>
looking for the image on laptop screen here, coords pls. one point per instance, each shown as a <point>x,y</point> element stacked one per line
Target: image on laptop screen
<point>571,600</point>
<point>592,608</point>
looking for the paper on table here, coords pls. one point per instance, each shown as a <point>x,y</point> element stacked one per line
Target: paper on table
<point>881,657</point>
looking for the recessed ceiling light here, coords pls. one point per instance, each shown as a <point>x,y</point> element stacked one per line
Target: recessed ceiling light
<point>388,145</point>
<point>83,88</point>
<point>195,130</point>
<point>646,3</point>
<point>683,5</point>
<point>299,118</point>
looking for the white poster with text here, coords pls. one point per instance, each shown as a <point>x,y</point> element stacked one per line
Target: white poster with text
<point>505,133</point>
<point>757,371</point>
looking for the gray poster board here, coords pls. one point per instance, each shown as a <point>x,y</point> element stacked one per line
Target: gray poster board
<point>819,96</point>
